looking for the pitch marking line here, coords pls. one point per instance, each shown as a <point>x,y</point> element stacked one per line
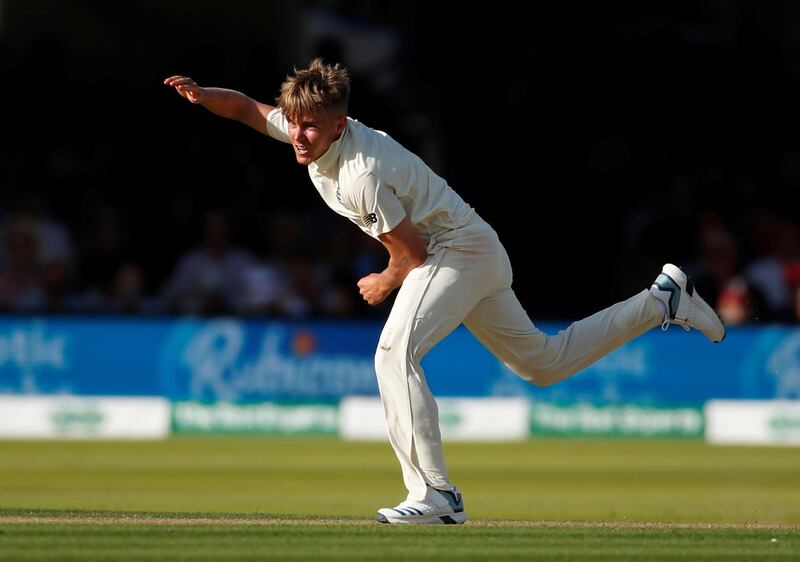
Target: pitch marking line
<point>122,520</point>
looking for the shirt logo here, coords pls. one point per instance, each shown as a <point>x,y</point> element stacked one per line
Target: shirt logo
<point>369,219</point>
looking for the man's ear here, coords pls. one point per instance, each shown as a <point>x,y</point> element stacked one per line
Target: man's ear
<point>341,123</point>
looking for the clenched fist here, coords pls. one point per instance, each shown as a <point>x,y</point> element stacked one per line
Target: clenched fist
<point>373,288</point>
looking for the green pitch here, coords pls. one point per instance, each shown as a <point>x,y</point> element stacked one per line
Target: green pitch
<point>283,499</point>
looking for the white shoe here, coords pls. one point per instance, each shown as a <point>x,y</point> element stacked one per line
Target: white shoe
<point>439,508</point>
<point>684,306</point>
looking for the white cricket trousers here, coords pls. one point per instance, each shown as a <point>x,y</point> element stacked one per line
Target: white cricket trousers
<point>473,286</point>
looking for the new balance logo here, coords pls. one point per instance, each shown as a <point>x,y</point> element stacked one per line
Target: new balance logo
<point>369,219</point>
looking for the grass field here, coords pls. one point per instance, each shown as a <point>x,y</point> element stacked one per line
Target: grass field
<point>293,499</point>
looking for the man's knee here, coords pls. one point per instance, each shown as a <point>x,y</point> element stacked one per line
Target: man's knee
<point>393,352</point>
<point>382,360</point>
<point>543,376</point>
<point>389,357</point>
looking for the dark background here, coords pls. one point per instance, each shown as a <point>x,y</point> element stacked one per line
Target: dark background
<point>599,142</point>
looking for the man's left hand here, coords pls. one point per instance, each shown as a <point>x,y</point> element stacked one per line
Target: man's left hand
<point>373,288</point>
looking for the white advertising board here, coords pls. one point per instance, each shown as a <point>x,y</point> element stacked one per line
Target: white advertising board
<point>84,417</point>
<point>753,422</point>
<point>460,419</point>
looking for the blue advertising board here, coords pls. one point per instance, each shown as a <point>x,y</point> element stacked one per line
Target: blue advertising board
<point>235,360</point>
<point>658,368</point>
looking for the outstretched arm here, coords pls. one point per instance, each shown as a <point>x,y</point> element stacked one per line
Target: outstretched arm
<point>406,251</point>
<point>225,103</point>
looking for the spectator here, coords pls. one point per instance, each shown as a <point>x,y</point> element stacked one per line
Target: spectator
<point>735,303</point>
<point>126,294</point>
<point>20,277</point>
<point>717,263</point>
<point>57,278</point>
<point>769,273</point>
<point>267,291</point>
<point>210,279</point>
<point>797,304</point>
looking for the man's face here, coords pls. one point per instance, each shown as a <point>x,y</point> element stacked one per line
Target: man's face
<point>312,135</point>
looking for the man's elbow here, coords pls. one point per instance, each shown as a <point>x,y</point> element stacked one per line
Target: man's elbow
<point>419,256</point>
<point>406,262</point>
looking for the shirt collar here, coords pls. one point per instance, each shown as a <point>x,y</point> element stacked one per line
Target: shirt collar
<point>327,164</point>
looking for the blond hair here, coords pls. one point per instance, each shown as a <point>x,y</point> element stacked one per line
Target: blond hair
<point>320,86</point>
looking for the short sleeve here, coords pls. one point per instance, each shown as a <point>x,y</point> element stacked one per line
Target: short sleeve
<point>278,126</point>
<point>378,205</point>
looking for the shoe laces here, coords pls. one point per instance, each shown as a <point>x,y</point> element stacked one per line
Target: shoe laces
<point>667,321</point>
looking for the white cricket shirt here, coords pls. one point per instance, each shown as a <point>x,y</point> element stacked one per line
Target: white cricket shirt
<point>375,182</point>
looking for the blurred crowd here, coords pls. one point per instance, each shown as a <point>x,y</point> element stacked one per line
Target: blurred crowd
<point>744,259</point>
<point>670,138</point>
<point>245,258</point>
<point>98,267</point>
